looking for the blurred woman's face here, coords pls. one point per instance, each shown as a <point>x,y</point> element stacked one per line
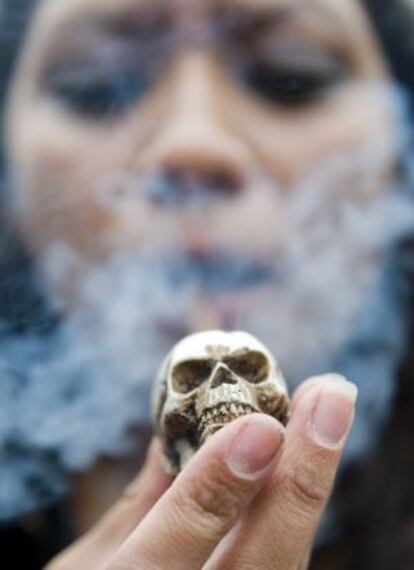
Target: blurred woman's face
<point>184,126</point>
<point>178,165</point>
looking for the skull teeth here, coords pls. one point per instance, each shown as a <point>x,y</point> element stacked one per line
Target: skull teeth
<point>224,413</point>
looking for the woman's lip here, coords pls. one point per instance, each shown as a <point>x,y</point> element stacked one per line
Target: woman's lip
<point>210,312</point>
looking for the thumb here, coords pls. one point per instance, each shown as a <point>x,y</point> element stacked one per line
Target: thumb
<point>206,499</point>
<point>96,547</point>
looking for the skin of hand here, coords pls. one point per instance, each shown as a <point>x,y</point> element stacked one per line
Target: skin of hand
<point>251,498</point>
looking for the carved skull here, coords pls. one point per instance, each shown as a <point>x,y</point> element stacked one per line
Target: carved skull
<point>208,380</point>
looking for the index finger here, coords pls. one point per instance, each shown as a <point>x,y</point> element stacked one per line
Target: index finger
<point>207,498</point>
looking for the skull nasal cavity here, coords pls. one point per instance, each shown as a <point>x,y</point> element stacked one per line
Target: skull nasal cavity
<point>222,376</point>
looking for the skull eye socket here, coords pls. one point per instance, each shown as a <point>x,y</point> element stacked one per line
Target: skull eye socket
<point>189,375</point>
<point>252,366</point>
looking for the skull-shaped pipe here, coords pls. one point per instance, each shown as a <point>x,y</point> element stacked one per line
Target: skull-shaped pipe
<point>208,380</point>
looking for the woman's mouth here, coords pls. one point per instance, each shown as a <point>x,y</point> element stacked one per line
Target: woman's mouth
<point>214,290</point>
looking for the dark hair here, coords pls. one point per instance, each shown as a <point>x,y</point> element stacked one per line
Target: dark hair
<point>22,306</point>
<point>14,19</point>
<point>393,21</point>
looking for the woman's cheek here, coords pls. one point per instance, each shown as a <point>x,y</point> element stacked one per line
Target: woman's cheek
<point>55,197</point>
<point>291,144</point>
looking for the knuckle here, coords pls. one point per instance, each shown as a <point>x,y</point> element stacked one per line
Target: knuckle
<point>304,487</point>
<point>211,500</point>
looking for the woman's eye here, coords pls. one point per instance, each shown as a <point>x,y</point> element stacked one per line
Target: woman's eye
<point>294,86</point>
<point>96,96</point>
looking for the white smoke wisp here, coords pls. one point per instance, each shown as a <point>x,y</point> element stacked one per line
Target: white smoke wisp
<point>324,300</point>
<point>333,255</point>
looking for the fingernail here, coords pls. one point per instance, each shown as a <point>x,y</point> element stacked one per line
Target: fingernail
<point>334,412</point>
<point>316,380</point>
<point>254,449</point>
<point>334,377</point>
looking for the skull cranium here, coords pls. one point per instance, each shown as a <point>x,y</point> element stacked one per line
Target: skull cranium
<point>208,380</point>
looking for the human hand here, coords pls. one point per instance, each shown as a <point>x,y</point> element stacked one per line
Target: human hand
<point>251,498</point>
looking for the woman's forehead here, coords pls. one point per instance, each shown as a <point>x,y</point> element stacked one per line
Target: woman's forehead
<point>64,10</point>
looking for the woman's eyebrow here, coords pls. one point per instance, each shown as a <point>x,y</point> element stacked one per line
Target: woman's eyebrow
<point>272,14</point>
<point>138,24</point>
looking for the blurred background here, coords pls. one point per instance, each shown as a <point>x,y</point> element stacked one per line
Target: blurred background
<point>173,167</point>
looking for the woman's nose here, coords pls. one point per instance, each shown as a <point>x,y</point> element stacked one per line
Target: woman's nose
<point>193,155</point>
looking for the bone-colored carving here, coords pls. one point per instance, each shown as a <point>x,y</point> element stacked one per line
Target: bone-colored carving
<point>208,380</point>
